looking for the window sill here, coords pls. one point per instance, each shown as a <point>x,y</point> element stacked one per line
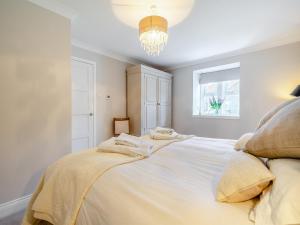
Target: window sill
<point>217,117</point>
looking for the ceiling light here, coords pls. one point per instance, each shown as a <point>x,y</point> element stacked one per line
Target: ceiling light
<point>153,34</point>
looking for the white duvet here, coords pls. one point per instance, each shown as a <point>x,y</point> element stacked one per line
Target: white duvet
<point>174,186</point>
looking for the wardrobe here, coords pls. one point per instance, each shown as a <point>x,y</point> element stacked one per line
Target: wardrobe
<point>148,99</point>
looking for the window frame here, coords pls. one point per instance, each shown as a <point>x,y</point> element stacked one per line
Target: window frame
<point>196,110</point>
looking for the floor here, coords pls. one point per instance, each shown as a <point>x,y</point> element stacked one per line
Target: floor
<point>14,219</point>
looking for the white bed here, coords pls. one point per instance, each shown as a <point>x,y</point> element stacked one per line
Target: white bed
<point>174,186</point>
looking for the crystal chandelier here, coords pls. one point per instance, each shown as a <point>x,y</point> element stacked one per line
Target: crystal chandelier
<point>153,34</point>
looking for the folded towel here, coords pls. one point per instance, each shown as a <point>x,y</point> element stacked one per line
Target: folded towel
<point>128,140</point>
<point>110,146</point>
<point>174,136</point>
<point>159,136</point>
<point>163,130</point>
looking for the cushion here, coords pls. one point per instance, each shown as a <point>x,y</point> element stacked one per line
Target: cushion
<point>271,113</point>
<point>243,178</point>
<point>241,143</point>
<point>279,137</point>
<point>281,203</point>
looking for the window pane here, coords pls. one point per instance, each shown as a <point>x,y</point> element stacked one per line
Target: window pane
<point>207,92</point>
<point>220,98</point>
<point>231,87</point>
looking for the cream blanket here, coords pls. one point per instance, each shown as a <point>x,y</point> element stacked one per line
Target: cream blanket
<point>65,184</point>
<point>175,186</point>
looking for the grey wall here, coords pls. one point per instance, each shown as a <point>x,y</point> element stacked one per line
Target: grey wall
<point>267,78</point>
<point>110,80</point>
<point>35,94</point>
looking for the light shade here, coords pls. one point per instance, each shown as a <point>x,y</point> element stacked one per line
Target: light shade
<point>296,91</point>
<point>153,34</point>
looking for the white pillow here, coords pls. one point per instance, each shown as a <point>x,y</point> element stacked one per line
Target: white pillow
<point>241,143</point>
<point>281,203</point>
<point>243,178</point>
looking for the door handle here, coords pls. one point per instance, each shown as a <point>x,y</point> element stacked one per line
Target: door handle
<point>158,103</point>
<point>91,114</point>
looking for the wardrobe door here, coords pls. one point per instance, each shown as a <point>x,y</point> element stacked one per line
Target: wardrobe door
<point>150,102</point>
<point>164,102</point>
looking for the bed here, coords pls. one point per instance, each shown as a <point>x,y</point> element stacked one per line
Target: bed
<point>174,186</point>
<point>175,183</point>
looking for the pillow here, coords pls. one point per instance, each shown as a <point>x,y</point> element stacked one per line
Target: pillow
<point>241,143</point>
<point>271,113</point>
<point>243,178</point>
<point>281,203</point>
<point>279,137</point>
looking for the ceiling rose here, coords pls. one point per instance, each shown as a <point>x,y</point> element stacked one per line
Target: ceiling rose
<point>152,18</point>
<point>130,12</point>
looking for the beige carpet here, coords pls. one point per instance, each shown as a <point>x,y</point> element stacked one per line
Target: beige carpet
<point>15,219</point>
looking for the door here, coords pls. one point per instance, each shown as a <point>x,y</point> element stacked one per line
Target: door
<point>83,78</point>
<point>150,101</point>
<point>164,102</point>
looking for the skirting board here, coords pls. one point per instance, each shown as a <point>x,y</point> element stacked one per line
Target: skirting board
<point>14,206</point>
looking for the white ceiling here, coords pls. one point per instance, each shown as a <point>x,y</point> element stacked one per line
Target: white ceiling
<point>212,29</point>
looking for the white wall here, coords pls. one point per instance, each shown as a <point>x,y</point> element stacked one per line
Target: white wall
<point>267,78</point>
<point>35,94</point>
<point>110,80</point>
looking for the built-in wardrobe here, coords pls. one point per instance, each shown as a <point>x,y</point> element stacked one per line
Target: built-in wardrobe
<point>148,99</point>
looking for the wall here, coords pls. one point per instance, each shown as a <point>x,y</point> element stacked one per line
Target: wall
<point>110,80</point>
<point>35,94</point>
<point>267,78</point>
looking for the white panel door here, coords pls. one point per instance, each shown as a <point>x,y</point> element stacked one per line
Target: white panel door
<point>82,105</point>
<point>150,101</point>
<point>164,102</point>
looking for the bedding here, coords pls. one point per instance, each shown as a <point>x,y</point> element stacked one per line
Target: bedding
<point>280,205</point>
<point>244,178</point>
<point>174,186</point>
<point>279,137</point>
<point>241,143</point>
<point>65,184</point>
<point>272,112</point>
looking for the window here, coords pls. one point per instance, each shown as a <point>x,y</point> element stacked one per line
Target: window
<point>217,92</point>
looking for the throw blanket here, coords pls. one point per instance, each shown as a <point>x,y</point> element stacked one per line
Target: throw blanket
<point>64,185</point>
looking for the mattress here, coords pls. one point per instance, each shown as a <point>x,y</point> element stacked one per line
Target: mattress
<point>175,186</point>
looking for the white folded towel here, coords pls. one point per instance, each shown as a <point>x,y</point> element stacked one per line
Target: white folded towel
<point>163,130</point>
<point>128,140</point>
<point>159,136</point>
<point>174,136</point>
<point>143,149</point>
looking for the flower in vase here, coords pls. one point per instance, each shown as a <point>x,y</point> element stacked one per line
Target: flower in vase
<point>216,103</point>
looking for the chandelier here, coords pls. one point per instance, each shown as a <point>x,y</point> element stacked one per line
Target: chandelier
<point>153,34</point>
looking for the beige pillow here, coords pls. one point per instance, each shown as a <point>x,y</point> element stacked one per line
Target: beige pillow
<point>281,203</point>
<point>243,178</point>
<point>271,113</point>
<point>241,143</point>
<point>279,137</point>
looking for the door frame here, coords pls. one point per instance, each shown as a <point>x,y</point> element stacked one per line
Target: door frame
<point>94,64</point>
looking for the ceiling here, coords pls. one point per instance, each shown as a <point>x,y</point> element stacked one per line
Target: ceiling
<point>213,28</point>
